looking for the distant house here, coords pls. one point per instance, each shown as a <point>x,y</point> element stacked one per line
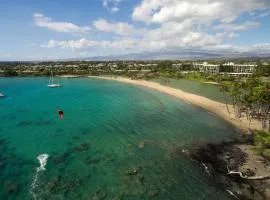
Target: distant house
<point>207,68</point>
<point>148,65</point>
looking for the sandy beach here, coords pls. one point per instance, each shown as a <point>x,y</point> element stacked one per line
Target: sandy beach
<point>208,104</point>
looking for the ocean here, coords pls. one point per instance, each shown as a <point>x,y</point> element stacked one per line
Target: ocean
<point>116,141</point>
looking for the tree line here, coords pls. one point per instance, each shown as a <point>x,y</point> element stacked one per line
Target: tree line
<point>250,98</point>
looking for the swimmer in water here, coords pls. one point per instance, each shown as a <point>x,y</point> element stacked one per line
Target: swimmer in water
<point>60,114</point>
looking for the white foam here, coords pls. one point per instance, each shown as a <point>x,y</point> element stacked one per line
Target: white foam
<point>43,161</point>
<point>206,169</point>
<point>232,194</point>
<point>42,158</point>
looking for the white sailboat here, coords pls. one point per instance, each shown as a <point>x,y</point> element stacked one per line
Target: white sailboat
<point>51,82</point>
<point>1,95</point>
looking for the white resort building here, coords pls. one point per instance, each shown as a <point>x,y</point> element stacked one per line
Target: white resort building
<point>240,69</point>
<point>207,68</point>
<point>229,68</point>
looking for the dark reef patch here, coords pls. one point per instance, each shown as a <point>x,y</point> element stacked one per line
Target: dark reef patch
<point>75,137</point>
<point>82,147</point>
<point>62,158</point>
<point>11,117</point>
<point>13,168</point>
<point>45,123</point>
<point>59,130</point>
<point>24,123</point>
<point>22,110</point>
<point>85,131</point>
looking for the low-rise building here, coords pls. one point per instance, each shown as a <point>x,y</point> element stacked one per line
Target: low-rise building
<point>207,68</point>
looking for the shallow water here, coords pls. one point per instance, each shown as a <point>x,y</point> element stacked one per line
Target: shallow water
<point>209,91</point>
<point>116,141</point>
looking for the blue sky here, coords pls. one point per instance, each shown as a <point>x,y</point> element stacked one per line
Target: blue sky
<point>41,30</point>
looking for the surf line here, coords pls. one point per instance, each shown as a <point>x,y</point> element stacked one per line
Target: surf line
<point>42,158</point>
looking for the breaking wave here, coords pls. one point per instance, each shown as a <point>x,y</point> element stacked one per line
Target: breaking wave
<point>42,158</point>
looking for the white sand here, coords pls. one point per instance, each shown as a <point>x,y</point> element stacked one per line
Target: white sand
<point>208,104</point>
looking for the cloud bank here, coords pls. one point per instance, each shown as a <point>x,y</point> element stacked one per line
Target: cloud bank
<point>158,25</point>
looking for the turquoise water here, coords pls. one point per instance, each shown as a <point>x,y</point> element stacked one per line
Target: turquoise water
<point>116,141</point>
<point>203,89</point>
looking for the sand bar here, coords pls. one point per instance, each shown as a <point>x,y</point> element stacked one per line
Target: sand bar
<point>203,102</point>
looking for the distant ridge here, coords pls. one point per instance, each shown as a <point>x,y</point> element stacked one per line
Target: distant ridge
<point>166,55</point>
<point>172,55</point>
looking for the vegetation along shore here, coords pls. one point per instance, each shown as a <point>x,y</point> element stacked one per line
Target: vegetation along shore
<point>241,166</point>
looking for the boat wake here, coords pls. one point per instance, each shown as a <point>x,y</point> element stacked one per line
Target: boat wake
<point>42,158</point>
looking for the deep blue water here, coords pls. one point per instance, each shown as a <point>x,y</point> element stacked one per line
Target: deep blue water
<point>116,141</point>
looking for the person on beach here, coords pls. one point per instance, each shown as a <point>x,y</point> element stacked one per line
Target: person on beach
<point>60,114</point>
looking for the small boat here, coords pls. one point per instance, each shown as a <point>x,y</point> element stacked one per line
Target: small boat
<point>1,95</point>
<point>52,84</point>
<point>69,76</point>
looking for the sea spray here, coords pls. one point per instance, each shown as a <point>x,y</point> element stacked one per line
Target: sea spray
<point>42,158</point>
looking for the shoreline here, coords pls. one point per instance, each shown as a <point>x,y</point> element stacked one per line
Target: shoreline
<point>217,159</point>
<point>200,101</point>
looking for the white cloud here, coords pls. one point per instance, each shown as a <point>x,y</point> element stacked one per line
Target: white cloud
<point>195,41</point>
<point>238,27</point>
<point>117,28</point>
<point>33,44</point>
<point>160,11</point>
<point>8,55</point>
<point>72,44</point>
<point>174,24</point>
<point>112,5</point>
<point>186,23</point>
<point>65,27</point>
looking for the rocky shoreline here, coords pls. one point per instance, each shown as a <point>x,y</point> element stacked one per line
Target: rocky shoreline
<point>219,159</point>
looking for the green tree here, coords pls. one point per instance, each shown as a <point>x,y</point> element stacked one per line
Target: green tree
<point>10,72</point>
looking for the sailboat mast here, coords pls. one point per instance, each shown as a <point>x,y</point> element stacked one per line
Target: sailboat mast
<point>52,78</point>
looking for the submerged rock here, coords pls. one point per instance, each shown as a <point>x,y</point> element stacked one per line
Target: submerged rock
<point>75,137</point>
<point>24,123</point>
<point>153,193</point>
<point>11,187</point>
<point>99,194</point>
<point>108,157</point>
<point>59,130</point>
<point>141,144</point>
<point>93,160</point>
<point>82,147</point>
<point>53,182</point>
<point>61,158</point>
<point>2,164</point>
<point>133,171</point>
<point>70,185</point>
